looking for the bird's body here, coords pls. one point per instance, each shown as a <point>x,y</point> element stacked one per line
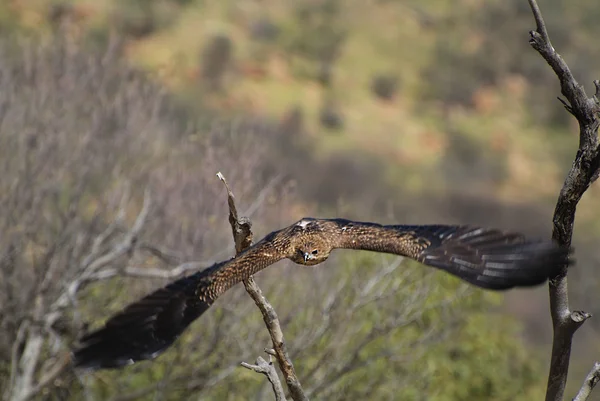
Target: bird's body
<point>487,258</point>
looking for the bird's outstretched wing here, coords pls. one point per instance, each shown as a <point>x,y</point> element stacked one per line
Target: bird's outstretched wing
<point>484,257</point>
<point>147,327</point>
<point>487,258</point>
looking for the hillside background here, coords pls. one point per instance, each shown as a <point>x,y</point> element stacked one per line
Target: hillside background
<point>394,111</point>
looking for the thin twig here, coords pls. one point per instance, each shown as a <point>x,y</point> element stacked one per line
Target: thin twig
<point>128,243</point>
<point>583,172</point>
<point>63,363</point>
<point>96,261</point>
<point>589,383</point>
<point>242,235</point>
<point>267,369</point>
<point>167,256</point>
<point>272,322</point>
<point>150,272</point>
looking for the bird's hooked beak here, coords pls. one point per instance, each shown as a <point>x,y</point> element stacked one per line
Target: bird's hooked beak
<point>307,256</point>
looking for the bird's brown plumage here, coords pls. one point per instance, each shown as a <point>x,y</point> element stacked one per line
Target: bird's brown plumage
<point>487,258</point>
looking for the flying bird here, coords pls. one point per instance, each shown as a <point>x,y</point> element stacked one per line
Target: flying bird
<point>487,258</point>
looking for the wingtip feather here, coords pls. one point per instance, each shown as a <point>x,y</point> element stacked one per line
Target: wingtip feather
<point>144,329</point>
<point>497,260</point>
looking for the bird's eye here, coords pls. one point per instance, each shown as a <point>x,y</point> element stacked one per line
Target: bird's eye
<point>314,252</point>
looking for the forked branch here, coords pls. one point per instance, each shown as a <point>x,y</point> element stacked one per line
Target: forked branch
<point>267,369</point>
<point>242,236</point>
<point>583,172</point>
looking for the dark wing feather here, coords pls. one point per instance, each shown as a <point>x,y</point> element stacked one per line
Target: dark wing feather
<point>490,258</point>
<point>487,258</point>
<point>144,329</point>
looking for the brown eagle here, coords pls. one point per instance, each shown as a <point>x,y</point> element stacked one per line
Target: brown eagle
<point>487,258</point>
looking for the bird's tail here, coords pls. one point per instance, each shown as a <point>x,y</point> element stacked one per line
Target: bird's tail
<point>147,327</point>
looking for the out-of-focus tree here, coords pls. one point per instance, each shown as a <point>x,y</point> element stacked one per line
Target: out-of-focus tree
<point>82,138</point>
<point>483,45</point>
<point>315,37</point>
<point>216,61</point>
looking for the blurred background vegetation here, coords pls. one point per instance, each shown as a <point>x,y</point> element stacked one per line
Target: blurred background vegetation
<point>394,111</point>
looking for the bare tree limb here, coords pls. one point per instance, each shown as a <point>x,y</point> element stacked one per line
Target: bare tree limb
<point>260,199</point>
<point>89,269</point>
<point>583,172</point>
<point>241,228</point>
<point>15,355</point>
<point>101,239</point>
<point>56,370</point>
<point>23,386</point>
<point>242,235</point>
<point>167,256</point>
<point>267,369</point>
<point>128,242</point>
<point>589,383</point>
<point>272,322</point>
<point>150,272</point>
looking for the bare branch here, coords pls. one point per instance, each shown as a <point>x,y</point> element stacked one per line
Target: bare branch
<point>539,21</point>
<point>242,235</point>
<point>583,108</point>
<point>272,322</point>
<point>50,376</point>
<point>583,172</point>
<point>128,243</point>
<point>15,355</point>
<point>150,272</point>
<point>89,270</point>
<point>167,256</point>
<point>261,196</point>
<point>241,228</point>
<point>589,383</point>
<point>101,239</point>
<point>267,369</point>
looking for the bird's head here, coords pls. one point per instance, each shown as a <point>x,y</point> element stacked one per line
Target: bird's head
<point>311,252</point>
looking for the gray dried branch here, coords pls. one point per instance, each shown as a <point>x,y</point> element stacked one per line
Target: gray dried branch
<point>128,243</point>
<point>167,256</point>
<point>272,322</point>
<point>23,384</point>
<point>150,272</point>
<point>63,363</point>
<point>589,383</point>
<point>89,270</point>
<point>267,369</point>
<point>241,228</point>
<point>242,235</point>
<point>583,172</point>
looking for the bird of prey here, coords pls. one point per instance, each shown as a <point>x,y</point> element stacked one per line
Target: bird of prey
<point>487,258</point>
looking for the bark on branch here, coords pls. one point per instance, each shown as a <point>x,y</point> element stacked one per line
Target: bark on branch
<point>267,369</point>
<point>242,236</point>
<point>583,172</point>
<point>588,385</point>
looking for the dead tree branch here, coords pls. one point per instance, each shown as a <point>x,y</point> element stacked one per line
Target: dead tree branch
<point>589,383</point>
<point>272,322</point>
<point>583,172</point>
<point>28,352</point>
<point>267,369</point>
<point>242,236</point>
